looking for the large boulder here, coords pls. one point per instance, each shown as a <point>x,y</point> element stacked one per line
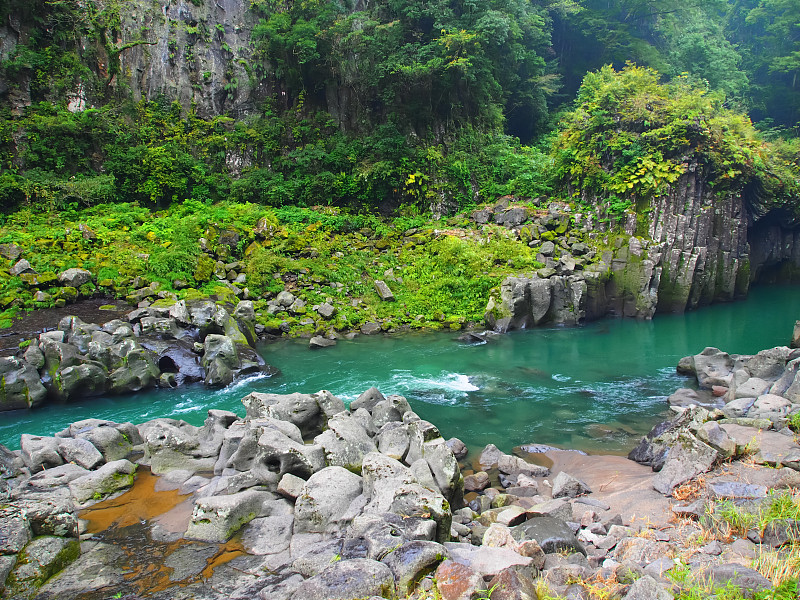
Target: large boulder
<point>345,442</point>
<point>309,412</point>
<point>353,579</point>
<point>217,518</point>
<point>171,444</point>
<point>108,479</point>
<point>220,359</point>
<point>39,452</point>
<point>41,559</point>
<point>327,501</point>
<point>21,386</point>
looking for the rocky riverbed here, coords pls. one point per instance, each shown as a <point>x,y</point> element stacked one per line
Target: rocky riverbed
<point>306,498</point>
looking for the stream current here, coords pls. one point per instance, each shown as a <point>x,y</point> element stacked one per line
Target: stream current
<point>596,388</point>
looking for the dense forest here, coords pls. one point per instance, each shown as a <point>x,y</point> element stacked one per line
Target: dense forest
<point>423,105</point>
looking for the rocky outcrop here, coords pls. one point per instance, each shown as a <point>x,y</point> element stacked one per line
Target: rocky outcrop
<point>690,249</point>
<point>152,347</point>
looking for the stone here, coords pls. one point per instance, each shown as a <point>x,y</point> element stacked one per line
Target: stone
<point>111,477</point>
<point>477,482</point>
<point>39,452</point>
<point>738,407</point>
<point>383,290</point>
<point>393,440</point>
<point>647,588</point>
<point>711,433</point>
<point>325,499</point>
<point>268,535</point>
<point>15,530</point>
<point>770,406</point>
<point>557,508</point>
<point>514,583</point>
<point>81,452</point>
<point>290,486</point>
<point>22,387</point>
<point>456,581</point>
<point>641,550</point>
<point>326,311</point>
<point>686,459</point>
<point>412,561</point>
<point>713,367</point>
<point>39,561</point>
<point>367,400</point>
<point>109,439</point>
<point>485,560</point>
<point>458,447</point>
<point>752,388</point>
<point>736,490</point>
<point>345,442</point>
<point>395,495</point>
<point>309,412</point>
<point>747,580</point>
<point>20,267</point>
<point>348,580</point>
<point>567,486</point>
<point>318,342</point>
<point>74,277</point>
<point>216,518</point>
<point>552,534</point>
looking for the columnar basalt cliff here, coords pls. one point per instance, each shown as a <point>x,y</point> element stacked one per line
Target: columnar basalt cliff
<point>690,247</point>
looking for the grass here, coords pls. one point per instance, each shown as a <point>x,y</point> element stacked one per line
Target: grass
<point>729,519</point>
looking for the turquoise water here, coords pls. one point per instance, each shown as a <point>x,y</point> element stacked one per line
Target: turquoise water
<point>595,388</point>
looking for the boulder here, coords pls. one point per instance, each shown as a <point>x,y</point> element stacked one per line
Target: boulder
<point>21,386</point>
<point>216,518</point>
<point>716,437</point>
<point>398,496</point>
<point>647,588</point>
<point>268,535</point>
<point>713,367</point>
<point>485,560</point>
<point>393,440</point>
<point>282,455</point>
<point>171,444</point>
<point>80,381</point>
<point>383,290</point>
<point>52,513</point>
<point>220,359</point>
<point>111,477</point>
<point>353,579</point>
<point>113,440</point>
<point>324,502</point>
<point>309,412</point>
<point>458,447</point>
<point>367,400</point>
<point>567,486</point>
<point>553,535</point>
<point>456,581</point>
<point>20,267</point>
<point>687,458</point>
<point>747,580</point>
<point>413,560</point>
<point>137,370</point>
<point>514,583</point>
<point>345,442</point>
<point>15,530</point>
<point>38,562</point>
<point>39,452</point>
<point>74,277</point>
<point>80,451</point>
<point>318,342</point>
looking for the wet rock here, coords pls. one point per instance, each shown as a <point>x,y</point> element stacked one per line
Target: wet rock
<point>109,478</point>
<point>567,486</point>
<point>325,500</point>
<point>40,560</point>
<point>348,580</point>
<point>456,581</point>
<point>217,518</point>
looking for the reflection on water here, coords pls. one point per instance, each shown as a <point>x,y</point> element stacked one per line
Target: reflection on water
<point>596,387</point>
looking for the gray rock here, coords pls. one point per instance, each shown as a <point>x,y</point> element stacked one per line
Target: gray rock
<point>383,291</point>
<point>770,406</point>
<point>22,387</point>
<point>318,341</point>
<point>52,513</point>
<point>348,580</point>
<point>738,407</point>
<point>445,470</point>
<point>553,535</point>
<point>97,568</point>
<point>53,478</point>
<point>378,467</point>
<point>393,440</point>
<point>557,508</point>
<point>309,412</point>
<point>171,444</point>
<point>713,367</point>
<point>752,388</point>
<point>189,561</point>
<point>367,400</point>
<point>39,452</point>
<point>716,437</point>
<point>111,477</point>
<point>80,451</point>
<point>485,560</point>
<point>390,410</point>
<point>112,440</point>
<point>514,583</point>
<point>412,561</point>
<point>647,588</point>
<point>456,581</point>
<point>686,459</point>
<point>326,311</point>
<point>730,490</point>
<point>15,530</point>
<point>345,442</point>
<point>217,518</point>
<point>567,486</point>
<point>268,535</point>
<point>515,466</point>
<point>327,495</point>
<point>748,581</point>
<point>290,486</point>
<point>20,267</point>
<point>74,277</point>
<point>40,560</point>
<point>412,500</point>
<point>283,455</point>
<point>220,359</point>
<point>458,447</point>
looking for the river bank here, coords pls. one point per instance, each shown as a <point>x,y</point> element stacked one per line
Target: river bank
<point>374,499</point>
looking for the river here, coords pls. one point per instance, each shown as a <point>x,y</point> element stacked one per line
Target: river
<point>596,388</point>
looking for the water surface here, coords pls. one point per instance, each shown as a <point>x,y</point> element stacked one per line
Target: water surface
<point>596,387</point>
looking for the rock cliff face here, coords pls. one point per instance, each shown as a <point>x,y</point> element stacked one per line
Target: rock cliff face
<point>689,248</point>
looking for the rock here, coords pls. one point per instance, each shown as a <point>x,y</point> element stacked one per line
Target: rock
<point>20,267</point>
<point>514,583</point>
<point>309,412</point>
<point>109,478</point>
<point>367,400</point>
<point>393,440</point>
<point>97,568</point>
<point>320,342</point>
<point>647,588</point>
<point>485,560</point>
<point>325,499</point>
<point>770,406</point>
<point>348,580</point>
<point>290,486</point>
<point>711,433</point>
<point>53,478</point>
<point>10,251</point>
<point>458,447</point>
<point>113,440</point>
<point>738,407</point>
<point>22,387</point>
<point>477,482</point>
<point>15,530</point>
<point>220,359</point>
<point>383,291</point>
<point>553,535</point>
<point>326,311</point>
<point>80,451</point>
<point>752,388</point>
<point>686,459</point>
<point>412,561</point>
<point>370,328</point>
<point>747,580</point>
<point>345,442</point>
<point>52,513</point>
<point>38,452</point>
<point>396,495</point>
<point>567,486</point>
<point>641,550</point>
<point>216,518</point>
<point>268,535</point>
<point>515,466</point>
<point>284,455</point>
<point>736,490</point>
<point>713,367</point>
<point>74,277</point>
<point>40,560</point>
<point>456,581</point>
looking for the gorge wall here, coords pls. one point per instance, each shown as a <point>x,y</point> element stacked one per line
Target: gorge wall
<point>690,247</point>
